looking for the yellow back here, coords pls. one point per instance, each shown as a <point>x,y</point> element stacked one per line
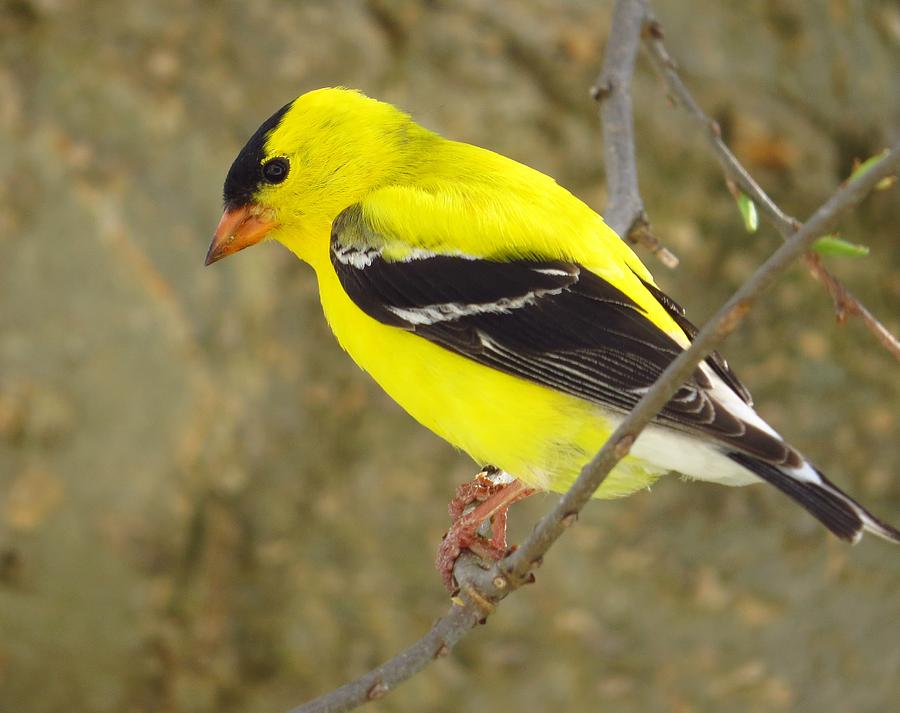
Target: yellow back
<point>424,192</point>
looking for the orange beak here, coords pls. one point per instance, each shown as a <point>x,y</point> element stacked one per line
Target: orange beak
<point>239,228</point>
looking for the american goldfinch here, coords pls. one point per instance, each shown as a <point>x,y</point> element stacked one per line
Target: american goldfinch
<point>495,307</point>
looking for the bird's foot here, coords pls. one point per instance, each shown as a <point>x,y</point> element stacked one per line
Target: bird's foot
<point>483,500</point>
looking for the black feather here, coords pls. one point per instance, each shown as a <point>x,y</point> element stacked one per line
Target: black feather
<point>715,360</point>
<point>570,330</point>
<point>245,175</point>
<point>825,501</point>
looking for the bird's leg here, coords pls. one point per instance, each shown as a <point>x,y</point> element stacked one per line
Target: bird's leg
<point>483,500</point>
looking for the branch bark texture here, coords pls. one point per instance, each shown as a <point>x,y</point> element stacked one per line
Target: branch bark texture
<point>625,212</point>
<point>612,90</point>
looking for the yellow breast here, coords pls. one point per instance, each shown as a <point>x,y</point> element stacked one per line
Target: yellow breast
<point>541,436</point>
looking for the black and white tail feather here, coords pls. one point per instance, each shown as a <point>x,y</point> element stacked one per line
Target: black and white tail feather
<point>560,325</point>
<point>830,505</point>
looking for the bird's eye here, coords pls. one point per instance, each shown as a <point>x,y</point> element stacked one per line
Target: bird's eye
<point>276,170</point>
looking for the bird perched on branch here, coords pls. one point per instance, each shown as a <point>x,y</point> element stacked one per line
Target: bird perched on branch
<point>499,310</point>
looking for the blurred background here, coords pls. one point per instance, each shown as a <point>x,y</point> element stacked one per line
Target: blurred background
<point>204,506</point>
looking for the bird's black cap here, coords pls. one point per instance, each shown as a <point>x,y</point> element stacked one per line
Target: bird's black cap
<point>245,175</point>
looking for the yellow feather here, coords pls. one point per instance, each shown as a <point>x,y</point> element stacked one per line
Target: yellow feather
<point>539,435</point>
<point>426,192</point>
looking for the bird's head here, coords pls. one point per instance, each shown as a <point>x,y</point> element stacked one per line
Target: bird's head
<point>307,162</point>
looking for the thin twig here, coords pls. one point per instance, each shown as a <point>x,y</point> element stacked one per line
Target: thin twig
<point>625,212</point>
<point>845,302</point>
<point>481,590</point>
<point>466,611</point>
<point>846,305</point>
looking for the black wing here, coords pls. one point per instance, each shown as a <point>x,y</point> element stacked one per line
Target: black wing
<point>715,360</point>
<point>548,321</point>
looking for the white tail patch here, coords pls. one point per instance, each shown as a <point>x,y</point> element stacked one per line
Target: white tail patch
<point>734,404</point>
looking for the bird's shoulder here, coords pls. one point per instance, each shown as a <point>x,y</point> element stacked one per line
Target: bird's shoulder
<point>473,200</point>
<point>482,204</point>
<point>523,218</point>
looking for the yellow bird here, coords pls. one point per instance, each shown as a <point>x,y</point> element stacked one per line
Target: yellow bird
<point>495,307</point>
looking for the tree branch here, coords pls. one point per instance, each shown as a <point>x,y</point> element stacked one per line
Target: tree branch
<point>466,611</point>
<point>517,565</point>
<point>482,589</point>
<point>612,91</point>
<point>625,212</point>
<point>845,303</point>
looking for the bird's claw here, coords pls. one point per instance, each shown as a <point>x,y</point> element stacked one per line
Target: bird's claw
<point>485,499</point>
